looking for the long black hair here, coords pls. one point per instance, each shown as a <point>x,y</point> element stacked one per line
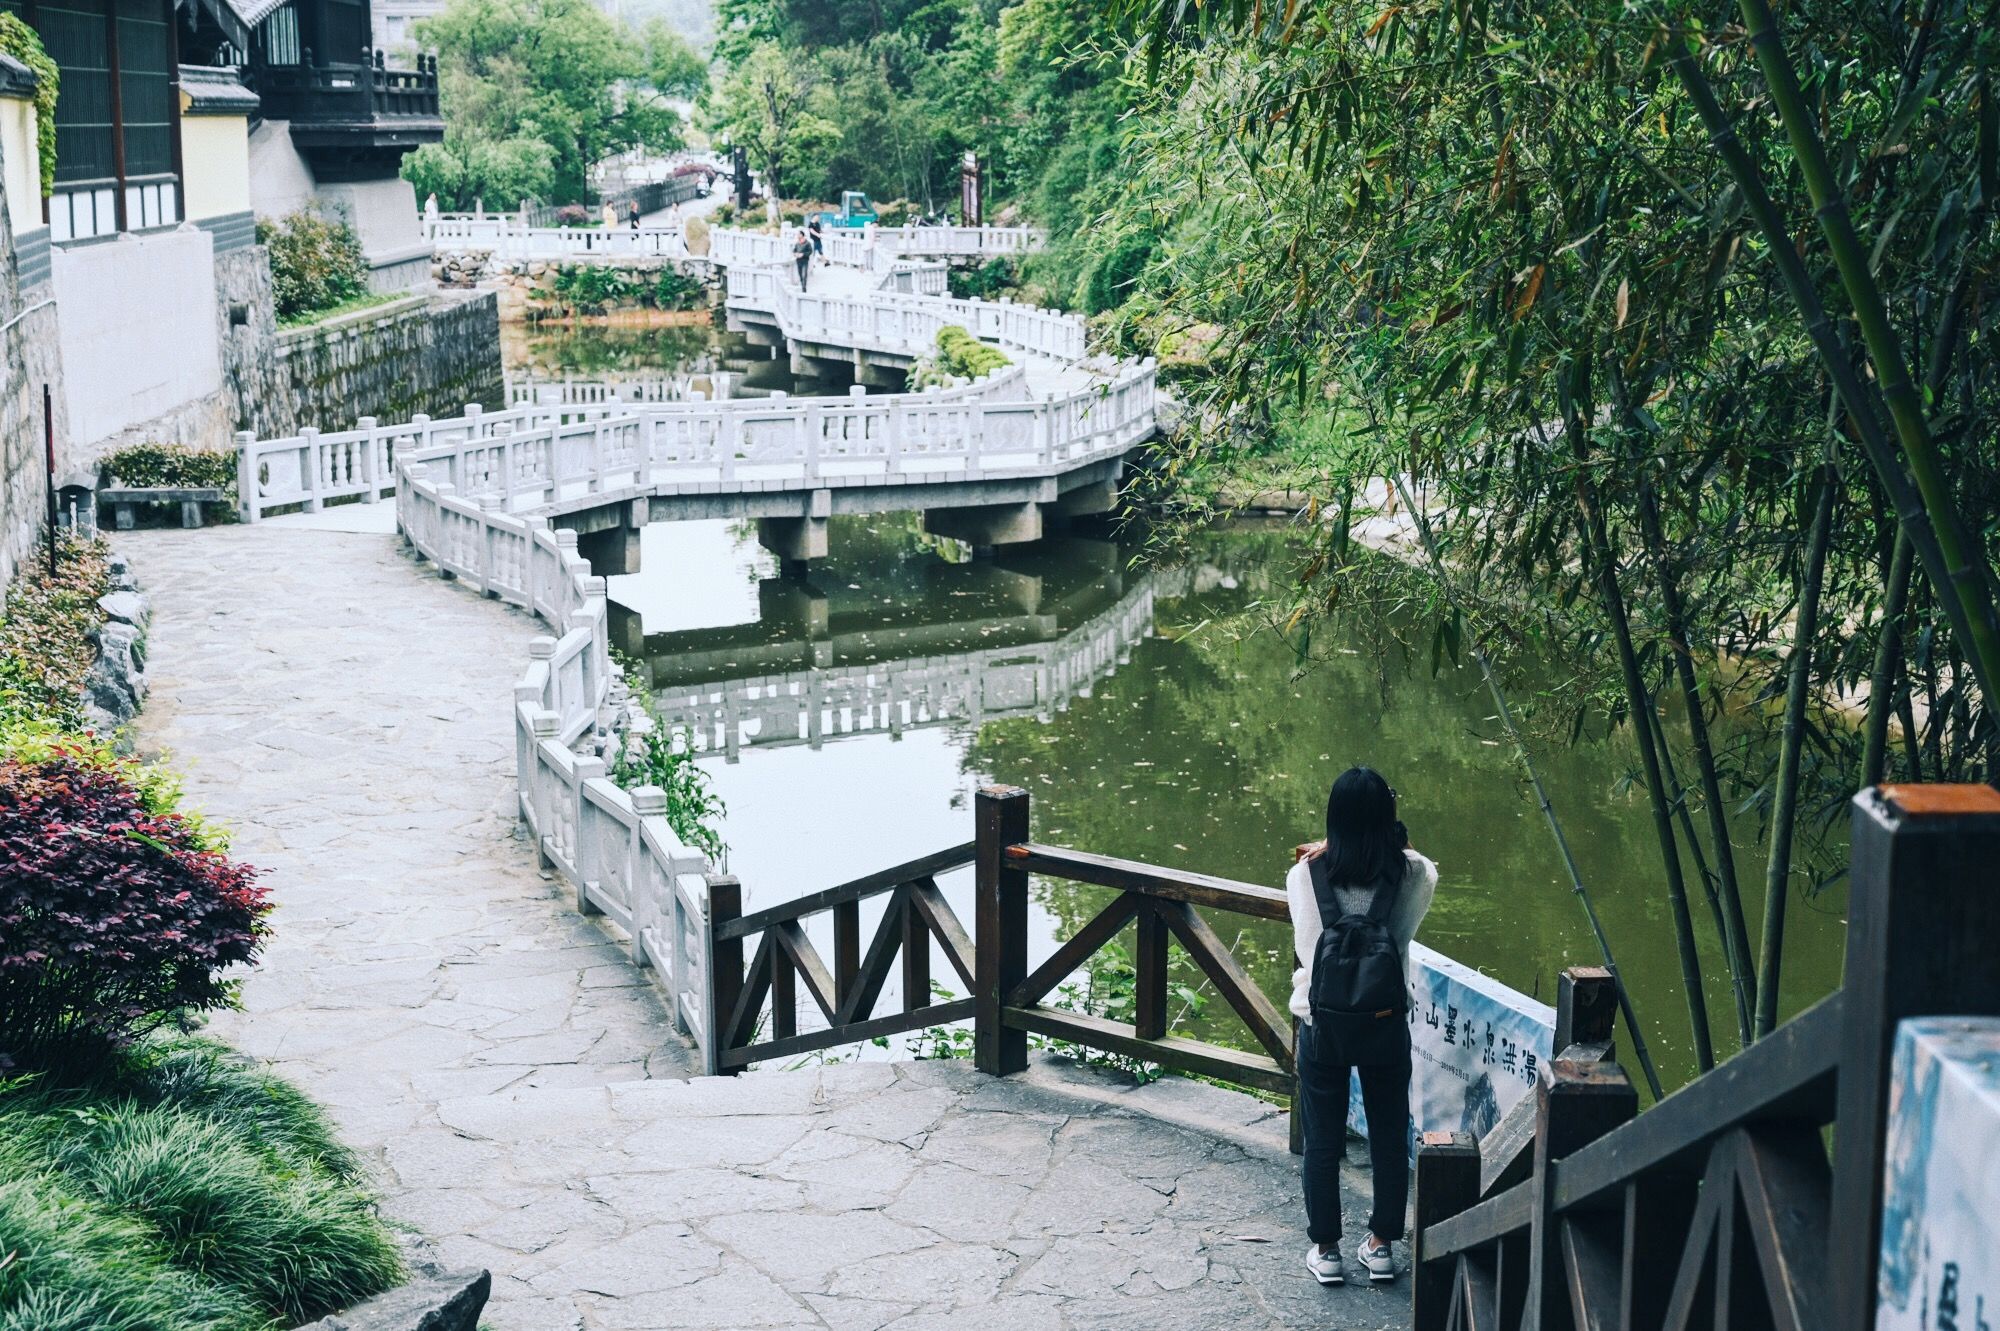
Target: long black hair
<point>1364,842</point>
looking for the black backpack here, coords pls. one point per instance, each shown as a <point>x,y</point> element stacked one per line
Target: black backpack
<point>1359,993</point>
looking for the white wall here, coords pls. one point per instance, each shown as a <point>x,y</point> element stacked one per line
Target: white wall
<point>20,163</point>
<point>215,165</point>
<point>280,180</point>
<point>138,330</point>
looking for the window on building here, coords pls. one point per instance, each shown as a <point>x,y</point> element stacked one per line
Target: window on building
<point>280,35</point>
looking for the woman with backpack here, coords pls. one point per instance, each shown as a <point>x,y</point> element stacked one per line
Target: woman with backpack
<point>1356,901</point>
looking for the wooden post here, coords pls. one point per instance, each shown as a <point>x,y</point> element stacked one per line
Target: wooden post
<point>916,955</point>
<point>1001,924</point>
<point>1149,1006</point>
<point>1447,1183</point>
<point>725,963</point>
<point>846,946</point>
<point>1923,922</point>
<point>1579,1103</point>
<point>1586,1008</point>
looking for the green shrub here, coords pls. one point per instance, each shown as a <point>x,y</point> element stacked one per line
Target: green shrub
<point>20,41</point>
<point>45,628</point>
<point>181,1190</point>
<point>998,274</point>
<point>664,758</point>
<point>151,464</point>
<point>958,355</point>
<point>588,288</point>
<point>316,262</point>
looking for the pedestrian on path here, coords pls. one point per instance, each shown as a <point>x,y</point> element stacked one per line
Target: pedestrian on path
<point>632,212</point>
<point>814,230</point>
<point>1356,898</point>
<point>610,215</point>
<point>802,256</point>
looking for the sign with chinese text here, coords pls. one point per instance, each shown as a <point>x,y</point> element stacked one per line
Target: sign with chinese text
<point>1940,1268</point>
<point>1476,1047</point>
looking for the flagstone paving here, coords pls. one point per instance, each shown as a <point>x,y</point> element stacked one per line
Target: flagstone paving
<point>515,1082</point>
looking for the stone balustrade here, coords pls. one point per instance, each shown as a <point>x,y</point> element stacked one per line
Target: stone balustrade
<point>546,454</point>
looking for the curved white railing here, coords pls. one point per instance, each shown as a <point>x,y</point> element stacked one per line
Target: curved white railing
<point>571,455</point>
<point>510,238</point>
<point>899,324</point>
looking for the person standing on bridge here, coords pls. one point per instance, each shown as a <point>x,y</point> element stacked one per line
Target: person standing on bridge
<point>1356,899</point>
<point>802,256</point>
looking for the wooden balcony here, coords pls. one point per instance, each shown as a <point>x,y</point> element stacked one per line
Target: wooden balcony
<point>347,113</point>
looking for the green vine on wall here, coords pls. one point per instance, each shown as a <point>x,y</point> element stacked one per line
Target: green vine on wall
<point>19,40</point>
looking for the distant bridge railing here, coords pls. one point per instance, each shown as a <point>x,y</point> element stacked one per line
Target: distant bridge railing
<point>508,238</point>
<point>511,238</point>
<point>902,325</point>
<point>538,454</point>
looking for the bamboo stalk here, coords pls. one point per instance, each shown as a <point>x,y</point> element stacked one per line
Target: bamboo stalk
<point>1640,700</point>
<point>1548,808</point>
<point>1733,928</point>
<point>1926,509</point>
<point>1784,808</point>
<point>1884,682</point>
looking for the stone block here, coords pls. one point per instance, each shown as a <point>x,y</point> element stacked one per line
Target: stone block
<point>445,1303</point>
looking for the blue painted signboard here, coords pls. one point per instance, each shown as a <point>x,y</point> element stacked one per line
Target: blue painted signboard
<point>1940,1268</point>
<point>1476,1047</point>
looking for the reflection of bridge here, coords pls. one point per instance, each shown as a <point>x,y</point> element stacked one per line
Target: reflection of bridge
<point>811,687</point>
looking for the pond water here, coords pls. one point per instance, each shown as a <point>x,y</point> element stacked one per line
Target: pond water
<point>849,717</point>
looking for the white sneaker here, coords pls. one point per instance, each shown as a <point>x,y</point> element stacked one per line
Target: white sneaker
<point>1378,1262</point>
<point>1324,1263</point>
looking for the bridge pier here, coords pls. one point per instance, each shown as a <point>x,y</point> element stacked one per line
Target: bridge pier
<point>793,540</point>
<point>983,526</point>
<point>612,551</point>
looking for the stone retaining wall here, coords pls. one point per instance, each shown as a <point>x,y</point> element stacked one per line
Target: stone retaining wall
<point>427,353</point>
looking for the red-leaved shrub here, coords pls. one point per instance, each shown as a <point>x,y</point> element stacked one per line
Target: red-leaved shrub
<point>113,920</point>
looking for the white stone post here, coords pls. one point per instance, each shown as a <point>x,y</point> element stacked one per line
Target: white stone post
<point>371,475</point>
<point>546,725</point>
<point>588,845</point>
<point>246,476</point>
<point>309,463</point>
<point>647,802</point>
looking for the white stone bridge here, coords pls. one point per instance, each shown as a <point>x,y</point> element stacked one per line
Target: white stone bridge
<point>985,462</point>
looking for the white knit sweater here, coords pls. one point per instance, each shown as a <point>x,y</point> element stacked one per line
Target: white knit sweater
<point>1420,882</point>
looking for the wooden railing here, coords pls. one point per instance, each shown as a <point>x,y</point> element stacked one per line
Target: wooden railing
<point>847,993</point>
<point>1001,995</point>
<point>1721,1206</point>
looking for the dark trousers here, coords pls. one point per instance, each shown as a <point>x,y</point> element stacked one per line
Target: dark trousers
<point>803,265</point>
<point>1385,1095</point>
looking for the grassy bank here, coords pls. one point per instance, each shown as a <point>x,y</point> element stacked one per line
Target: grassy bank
<point>178,1191</point>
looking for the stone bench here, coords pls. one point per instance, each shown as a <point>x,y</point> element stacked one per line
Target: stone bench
<point>125,501</point>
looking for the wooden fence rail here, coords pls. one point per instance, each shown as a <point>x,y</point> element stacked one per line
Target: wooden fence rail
<point>1722,1206</point>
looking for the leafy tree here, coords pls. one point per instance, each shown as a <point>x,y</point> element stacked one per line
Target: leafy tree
<point>766,105</point>
<point>537,92</point>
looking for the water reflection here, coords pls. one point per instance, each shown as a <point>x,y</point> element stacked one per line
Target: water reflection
<point>686,357</point>
<point>907,643</point>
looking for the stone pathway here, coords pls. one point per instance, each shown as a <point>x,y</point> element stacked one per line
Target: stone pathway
<point>516,1082</point>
